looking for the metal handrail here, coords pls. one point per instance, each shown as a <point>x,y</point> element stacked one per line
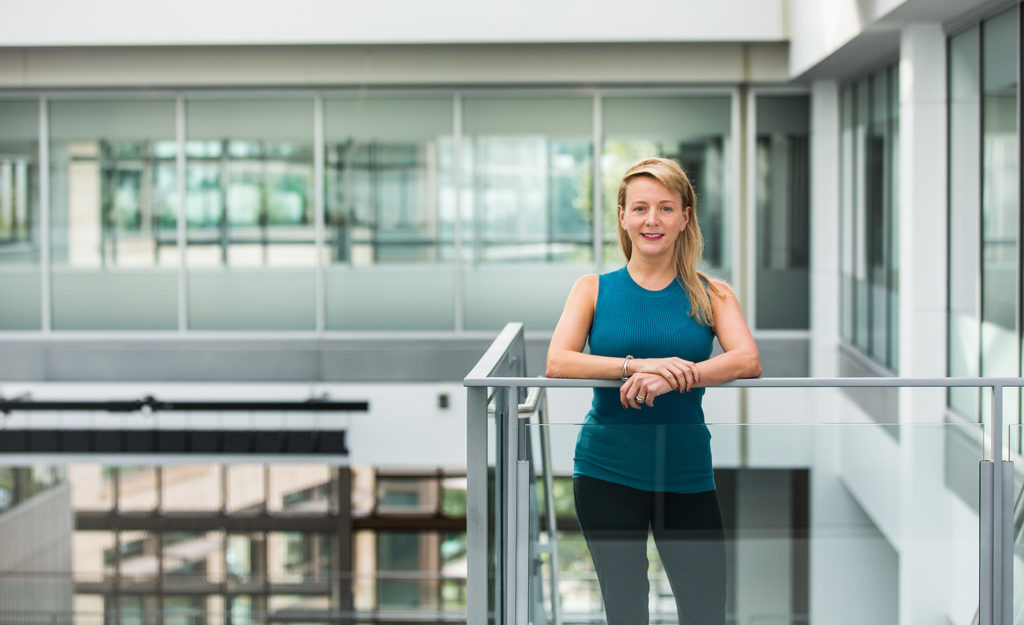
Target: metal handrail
<point>865,382</point>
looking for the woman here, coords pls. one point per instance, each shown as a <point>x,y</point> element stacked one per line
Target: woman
<point>643,457</point>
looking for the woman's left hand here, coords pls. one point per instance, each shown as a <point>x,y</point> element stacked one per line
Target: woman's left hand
<point>642,388</point>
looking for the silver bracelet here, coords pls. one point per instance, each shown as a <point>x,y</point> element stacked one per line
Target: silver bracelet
<point>624,363</point>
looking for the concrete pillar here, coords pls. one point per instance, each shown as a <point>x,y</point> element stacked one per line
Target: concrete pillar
<point>824,228</point>
<point>924,527</point>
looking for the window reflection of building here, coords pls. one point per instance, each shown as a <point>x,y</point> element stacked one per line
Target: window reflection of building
<point>869,267</point>
<point>245,543</point>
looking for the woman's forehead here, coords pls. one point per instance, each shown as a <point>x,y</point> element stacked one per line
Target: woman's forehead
<point>647,187</point>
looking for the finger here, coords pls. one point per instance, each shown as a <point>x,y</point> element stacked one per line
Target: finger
<point>679,379</point>
<point>627,394</point>
<point>688,373</point>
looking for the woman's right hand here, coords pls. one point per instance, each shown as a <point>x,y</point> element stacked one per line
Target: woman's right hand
<point>642,388</point>
<point>681,374</point>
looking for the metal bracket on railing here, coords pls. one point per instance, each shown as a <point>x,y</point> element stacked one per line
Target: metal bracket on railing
<point>527,408</point>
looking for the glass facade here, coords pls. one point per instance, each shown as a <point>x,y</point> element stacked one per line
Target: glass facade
<point>250,216</point>
<point>237,544</point>
<point>782,195</point>
<point>19,216</point>
<point>527,198</point>
<point>984,208</point>
<point>113,215</point>
<point>695,131</point>
<point>342,211</point>
<point>869,213</point>
<point>389,212</point>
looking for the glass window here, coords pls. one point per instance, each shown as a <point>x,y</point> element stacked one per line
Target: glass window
<point>694,131</point>
<point>93,486</point>
<point>1000,196</point>
<point>409,553</point>
<point>861,285</point>
<point>299,488</point>
<point>869,271</point>
<point>390,213</point>
<point>113,215</point>
<point>246,487</point>
<point>195,556</point>
<point>964,320</point>
<point>190,487</point>
<point>847,192</point>
<point>249,211</point>
<point>782,188</point>
<point>526,198</point>
<point>21,303</point>
<point>137,487</point>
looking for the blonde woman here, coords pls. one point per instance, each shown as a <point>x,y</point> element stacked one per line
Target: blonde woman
<point>643,456</point>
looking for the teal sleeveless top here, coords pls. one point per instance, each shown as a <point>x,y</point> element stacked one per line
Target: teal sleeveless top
<point>666,447</point>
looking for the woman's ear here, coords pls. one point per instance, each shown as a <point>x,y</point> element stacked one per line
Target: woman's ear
<point>622,216</point>
<point>686,217</point>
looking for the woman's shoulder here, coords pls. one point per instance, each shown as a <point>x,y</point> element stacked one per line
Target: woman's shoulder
<point>719,285</point>
<point>587,284</point>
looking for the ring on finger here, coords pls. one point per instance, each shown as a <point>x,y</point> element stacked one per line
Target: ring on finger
<point>640,398</point>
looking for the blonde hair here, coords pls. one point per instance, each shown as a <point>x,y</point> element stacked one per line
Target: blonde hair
<point>689,244</point>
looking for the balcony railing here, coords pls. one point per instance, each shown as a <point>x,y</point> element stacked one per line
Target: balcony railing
<point>911,511</point>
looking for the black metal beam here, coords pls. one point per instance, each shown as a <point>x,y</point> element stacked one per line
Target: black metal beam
<point>152,404</point>
<point>173,441</point>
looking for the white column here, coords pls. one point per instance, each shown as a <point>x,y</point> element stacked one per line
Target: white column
<point>924,551</point>
<point>824,228</point>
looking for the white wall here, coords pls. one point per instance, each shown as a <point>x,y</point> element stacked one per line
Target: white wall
<point>35,538</point>
<point>234,22</point>
<point>820,29</point>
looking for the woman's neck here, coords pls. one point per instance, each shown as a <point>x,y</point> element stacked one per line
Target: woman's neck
<point>651,274</point>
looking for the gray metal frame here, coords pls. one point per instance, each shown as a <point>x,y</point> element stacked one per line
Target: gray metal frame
<point>503,369</point>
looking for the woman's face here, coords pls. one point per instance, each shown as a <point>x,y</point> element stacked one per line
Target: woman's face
<point>653,216</point>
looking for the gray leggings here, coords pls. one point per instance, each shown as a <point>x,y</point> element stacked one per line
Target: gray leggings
<point>688,532</point>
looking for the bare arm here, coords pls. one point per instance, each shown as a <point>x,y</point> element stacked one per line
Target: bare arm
<point>740,358</point>
<point>565,353</point>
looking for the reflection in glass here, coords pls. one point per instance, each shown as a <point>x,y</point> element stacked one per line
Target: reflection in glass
<point>113,214</point>
<point>19,216</point>
<point>964,321</point>
<point>782,525</point>
<point>299,488</point>
<point>527,179</point>
<point>190,487</point>
<point>869,272</point>
<point>527,206</point>
<point>782,188</point>
<point>249,212</point>
<point>847,192</point>
<point>244,555</point>
<point>1000,194</point>
<point>389,212</point>
<point>246,491</point>
<point>137,487</point>
<point>692,130</point>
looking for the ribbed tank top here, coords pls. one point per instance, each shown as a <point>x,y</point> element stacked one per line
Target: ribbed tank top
<point>666,447</point>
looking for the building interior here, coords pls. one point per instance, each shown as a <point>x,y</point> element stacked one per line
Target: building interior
<point>250,253</point>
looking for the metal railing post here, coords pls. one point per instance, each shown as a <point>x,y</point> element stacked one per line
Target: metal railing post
<point>1001,517</point>
<point>476,506</point>
<point>509,461</point>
